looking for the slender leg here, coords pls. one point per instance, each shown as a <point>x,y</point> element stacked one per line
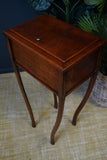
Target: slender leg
<point>91,84</point>
<point>25,97</point>
<point>20,83</point>
<point>55,101</point>
<point>58,119</point>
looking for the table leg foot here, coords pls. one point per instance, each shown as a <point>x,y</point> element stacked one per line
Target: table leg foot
<point>74,123</point>
<point>55,101</point>
<point>58,120</point>
<point>34,124</point>
<point>91,84</point>
<point>52,141</point>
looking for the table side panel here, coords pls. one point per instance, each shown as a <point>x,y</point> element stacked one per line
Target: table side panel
<point>80,71</point>
<point>36,65</point>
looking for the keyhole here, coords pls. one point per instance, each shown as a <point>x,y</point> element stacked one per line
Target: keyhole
<point>38,39</point>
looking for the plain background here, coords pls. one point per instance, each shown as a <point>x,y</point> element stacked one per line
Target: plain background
<point>12,13</point>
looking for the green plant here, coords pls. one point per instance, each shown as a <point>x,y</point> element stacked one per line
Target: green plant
<point>59,8</point>
<point>96,23</point>
<point>39,5</point>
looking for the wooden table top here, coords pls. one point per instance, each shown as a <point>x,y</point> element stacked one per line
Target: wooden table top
<point>55,39</point>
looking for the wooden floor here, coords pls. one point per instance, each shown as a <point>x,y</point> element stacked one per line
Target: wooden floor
<point>19,141</point>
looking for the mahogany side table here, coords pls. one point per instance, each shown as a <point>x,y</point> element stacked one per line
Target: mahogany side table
<point>57,54</point>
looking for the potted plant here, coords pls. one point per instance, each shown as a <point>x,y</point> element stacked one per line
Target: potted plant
<point>62,9</point>
<point>96,23</point>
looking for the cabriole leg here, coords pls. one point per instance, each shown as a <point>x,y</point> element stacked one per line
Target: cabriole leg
<point>20,83</point>
<point>90,87</point>
<point>58,119</point>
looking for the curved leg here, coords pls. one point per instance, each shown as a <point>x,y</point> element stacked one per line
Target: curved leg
<point>25,97</point>
<point>55,101</point>
<point>20,83</point>
<point>58,119</point>
<point>91,84</point>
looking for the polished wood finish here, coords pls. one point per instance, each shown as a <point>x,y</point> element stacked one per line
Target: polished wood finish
<point>21,84</point>
<point>92,81</point>
<point>57,54</point>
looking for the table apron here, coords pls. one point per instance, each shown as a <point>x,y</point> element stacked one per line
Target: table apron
<point>80,71</point>
<point>36,65</point>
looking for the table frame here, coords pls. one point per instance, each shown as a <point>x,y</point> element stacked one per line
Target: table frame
<point>61,95</point>
<point>62,59</point>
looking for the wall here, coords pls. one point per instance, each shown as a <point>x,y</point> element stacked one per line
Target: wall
<point>12,13</point>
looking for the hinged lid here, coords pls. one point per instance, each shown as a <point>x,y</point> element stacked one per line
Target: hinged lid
<point>58,39</point>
